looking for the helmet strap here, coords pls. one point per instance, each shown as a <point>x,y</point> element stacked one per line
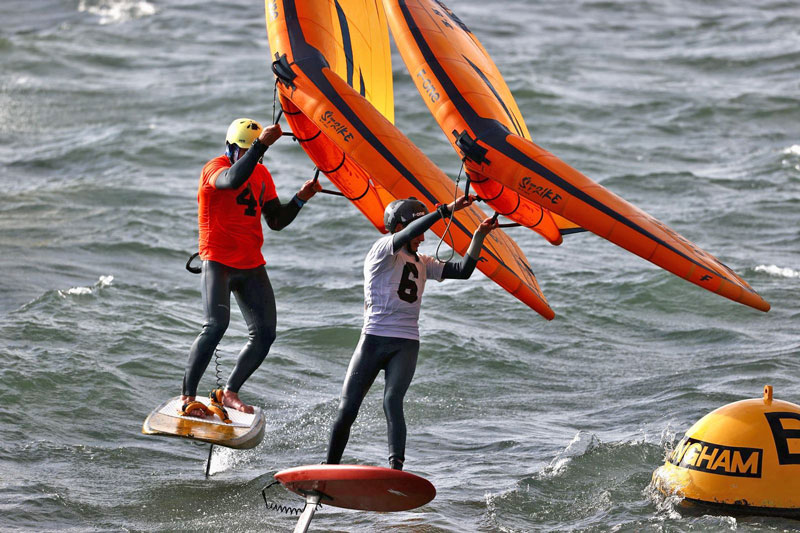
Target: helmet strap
<point>233,152</point>
<point>412,252</point>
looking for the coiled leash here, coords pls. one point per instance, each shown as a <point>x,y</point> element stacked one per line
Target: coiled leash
<point>285,509</point>
<point>216,407</point>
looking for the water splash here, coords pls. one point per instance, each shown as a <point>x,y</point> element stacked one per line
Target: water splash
<point>666,503</point>
<point>223,459</point>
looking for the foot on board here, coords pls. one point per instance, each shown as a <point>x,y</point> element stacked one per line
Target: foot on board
<point>192,407</point>
<point>231,399</point>
<point>198,409</point>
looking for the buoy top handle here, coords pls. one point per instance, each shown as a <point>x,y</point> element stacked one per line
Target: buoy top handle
<point>768,394</point>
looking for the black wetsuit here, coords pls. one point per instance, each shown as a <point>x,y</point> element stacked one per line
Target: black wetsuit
<point>397,357</point>
<point>251,287</point>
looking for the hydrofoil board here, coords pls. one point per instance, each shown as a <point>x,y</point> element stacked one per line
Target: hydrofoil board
<point>366,488</point>
<point>242,432</point>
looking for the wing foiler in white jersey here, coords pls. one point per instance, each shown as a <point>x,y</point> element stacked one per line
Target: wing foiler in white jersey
<point>394,281</point>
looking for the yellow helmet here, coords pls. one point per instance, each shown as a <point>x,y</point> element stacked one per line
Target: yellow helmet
<point>242,132</point>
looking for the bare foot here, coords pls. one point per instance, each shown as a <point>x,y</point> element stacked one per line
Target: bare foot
<point>197,412</point>
<point>231,399</point>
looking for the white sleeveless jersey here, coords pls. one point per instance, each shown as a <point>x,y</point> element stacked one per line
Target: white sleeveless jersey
<point>393,286</point>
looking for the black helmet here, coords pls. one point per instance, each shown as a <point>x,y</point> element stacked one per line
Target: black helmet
<point>403,212</point>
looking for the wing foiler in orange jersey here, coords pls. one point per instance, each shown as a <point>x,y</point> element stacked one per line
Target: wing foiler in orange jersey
<point>299,35</point>
<point>467,96</point>
<point>357,49</point>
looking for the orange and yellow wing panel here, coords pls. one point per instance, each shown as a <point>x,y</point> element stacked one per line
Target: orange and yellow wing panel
<point>299,42</point>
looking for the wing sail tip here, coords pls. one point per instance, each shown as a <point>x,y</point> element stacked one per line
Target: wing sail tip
<point>536,301</point>
<point>752,299</point>
<point>757,302</point>
<point>540,306</point>
<point>741,293</point>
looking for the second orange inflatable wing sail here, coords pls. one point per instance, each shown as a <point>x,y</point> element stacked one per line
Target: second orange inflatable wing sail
<point>463,95</point>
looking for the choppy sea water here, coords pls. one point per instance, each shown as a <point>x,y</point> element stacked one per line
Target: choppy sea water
<point>108,110</point>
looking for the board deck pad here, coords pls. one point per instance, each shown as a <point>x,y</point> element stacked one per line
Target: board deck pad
<point>244,430</point>
<point>365,488</point>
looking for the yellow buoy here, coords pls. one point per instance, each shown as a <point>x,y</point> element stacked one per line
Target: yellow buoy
<point>743,457</point>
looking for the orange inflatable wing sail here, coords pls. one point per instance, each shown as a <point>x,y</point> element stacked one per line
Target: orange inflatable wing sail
<point>467,66</point>
<point>356,46</point>
<point>373,143</point>
<point>472,103</point>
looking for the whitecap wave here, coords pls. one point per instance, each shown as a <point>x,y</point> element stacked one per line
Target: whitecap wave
<point>793,150</point>
<point>775,270</point>
<point>580,444</point>
<point>794,157</point>
<point>117,11</point>
<point>103,281</point>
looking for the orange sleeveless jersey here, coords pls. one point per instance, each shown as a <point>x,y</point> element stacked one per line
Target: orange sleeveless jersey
<point>230,220</point>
